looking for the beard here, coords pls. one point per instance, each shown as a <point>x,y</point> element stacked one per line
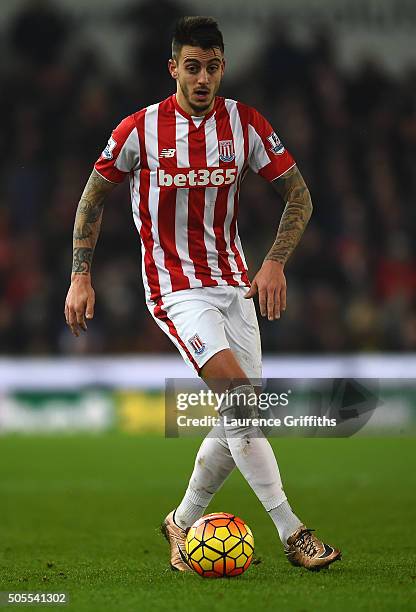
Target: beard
<point>202,106</point>
<point>197,106</point>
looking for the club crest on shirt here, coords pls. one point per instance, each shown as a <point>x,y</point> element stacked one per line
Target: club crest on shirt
<point>226,148</point>
<point>277,147</point>
<point>197,344</point>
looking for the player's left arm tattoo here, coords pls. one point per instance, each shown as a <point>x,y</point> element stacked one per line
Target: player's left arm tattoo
<point>298,209</point>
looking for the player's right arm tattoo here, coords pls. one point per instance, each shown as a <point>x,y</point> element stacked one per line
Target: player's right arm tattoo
<point>88,222</point>
<point>297,212</point>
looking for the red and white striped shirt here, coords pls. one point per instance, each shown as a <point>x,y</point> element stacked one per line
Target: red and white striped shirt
<point>185,176</point>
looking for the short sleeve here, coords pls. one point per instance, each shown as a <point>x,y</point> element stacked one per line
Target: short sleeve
<point>122,153</point>
<point>267,155</point>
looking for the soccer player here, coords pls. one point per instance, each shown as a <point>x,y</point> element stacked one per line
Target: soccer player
<point>186,158</point>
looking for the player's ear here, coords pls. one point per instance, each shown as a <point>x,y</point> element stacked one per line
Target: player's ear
<point>173,69</point>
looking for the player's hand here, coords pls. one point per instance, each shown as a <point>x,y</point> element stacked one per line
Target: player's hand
<point>79,303</point>
<point>270,283</point>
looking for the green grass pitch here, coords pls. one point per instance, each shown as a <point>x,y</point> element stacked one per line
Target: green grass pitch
<point>81,514</point>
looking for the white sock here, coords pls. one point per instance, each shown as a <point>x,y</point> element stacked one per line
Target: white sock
<point>213,464</point>
<point>285,520</point>
<point>255,459</point>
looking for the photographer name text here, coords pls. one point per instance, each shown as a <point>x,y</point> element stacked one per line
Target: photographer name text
<point>288,421</point>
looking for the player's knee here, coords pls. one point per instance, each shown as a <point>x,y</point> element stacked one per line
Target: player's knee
<point>240,403</point>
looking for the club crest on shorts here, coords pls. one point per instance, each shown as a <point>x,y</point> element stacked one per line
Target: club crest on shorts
<point>226,148</point>
<point>197,344</point>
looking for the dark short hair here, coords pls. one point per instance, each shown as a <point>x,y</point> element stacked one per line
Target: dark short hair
<point>200,32</point>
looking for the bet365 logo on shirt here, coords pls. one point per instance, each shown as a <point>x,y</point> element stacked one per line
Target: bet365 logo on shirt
<point>196,177</point>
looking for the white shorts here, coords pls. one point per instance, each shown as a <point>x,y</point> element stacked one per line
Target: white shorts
<point>205,320</point>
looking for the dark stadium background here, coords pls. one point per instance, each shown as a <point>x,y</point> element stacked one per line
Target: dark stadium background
<point>86,474</point>
<point>352,281</point>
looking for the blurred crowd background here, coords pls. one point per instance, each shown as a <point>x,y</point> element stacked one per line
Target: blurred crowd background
<point>351,283</point>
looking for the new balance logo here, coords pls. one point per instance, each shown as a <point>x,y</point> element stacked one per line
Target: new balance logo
<point>167,153</point>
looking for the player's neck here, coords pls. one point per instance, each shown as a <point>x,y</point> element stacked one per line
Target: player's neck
<point>183,103</point>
